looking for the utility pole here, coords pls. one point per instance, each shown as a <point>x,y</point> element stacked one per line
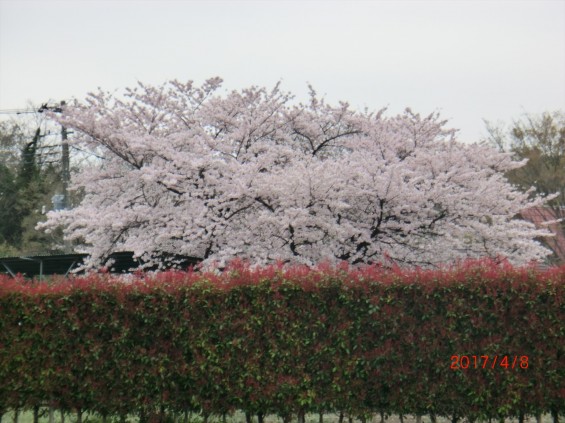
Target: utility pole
<point>66,172</point>
<point>65,162</point>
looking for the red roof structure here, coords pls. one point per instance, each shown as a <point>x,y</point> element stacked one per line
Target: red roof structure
<point>553,219</point>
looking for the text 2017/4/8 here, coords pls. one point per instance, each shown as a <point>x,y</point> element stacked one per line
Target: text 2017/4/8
<point>489,361</point>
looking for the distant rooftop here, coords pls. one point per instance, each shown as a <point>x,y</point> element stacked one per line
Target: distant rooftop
<point>540,216</point>
<point>62,264</point>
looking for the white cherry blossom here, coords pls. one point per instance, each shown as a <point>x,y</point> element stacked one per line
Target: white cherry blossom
<point>254,175</point>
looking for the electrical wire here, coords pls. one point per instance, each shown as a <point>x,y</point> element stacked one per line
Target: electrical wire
<point>41,109</point>
<point>17,111</point>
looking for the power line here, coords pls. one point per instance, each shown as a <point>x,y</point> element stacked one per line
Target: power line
<point>42,108</point>
<point>87,152</point>
<point>16,111</point>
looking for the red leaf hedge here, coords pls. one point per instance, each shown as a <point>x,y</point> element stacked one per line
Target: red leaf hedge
<point>276,340</point>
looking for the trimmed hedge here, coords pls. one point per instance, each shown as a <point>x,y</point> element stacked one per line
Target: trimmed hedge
<point>276,341</point>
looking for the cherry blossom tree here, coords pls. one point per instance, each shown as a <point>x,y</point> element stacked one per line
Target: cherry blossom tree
<point>255,175</point>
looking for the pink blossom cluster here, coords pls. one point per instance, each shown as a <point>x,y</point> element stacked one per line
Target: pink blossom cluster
<point>253,174</point>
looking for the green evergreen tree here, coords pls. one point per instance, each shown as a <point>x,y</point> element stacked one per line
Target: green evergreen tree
<point>26,188</point>
<point>11,137</point>
<point>10,229</point>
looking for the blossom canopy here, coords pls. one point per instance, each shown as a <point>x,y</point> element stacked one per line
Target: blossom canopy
<point>255,175</point>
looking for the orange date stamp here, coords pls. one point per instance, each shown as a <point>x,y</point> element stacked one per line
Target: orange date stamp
<point>489,362</point>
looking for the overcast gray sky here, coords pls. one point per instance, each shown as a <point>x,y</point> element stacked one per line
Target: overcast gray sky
<point>468,60</point>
